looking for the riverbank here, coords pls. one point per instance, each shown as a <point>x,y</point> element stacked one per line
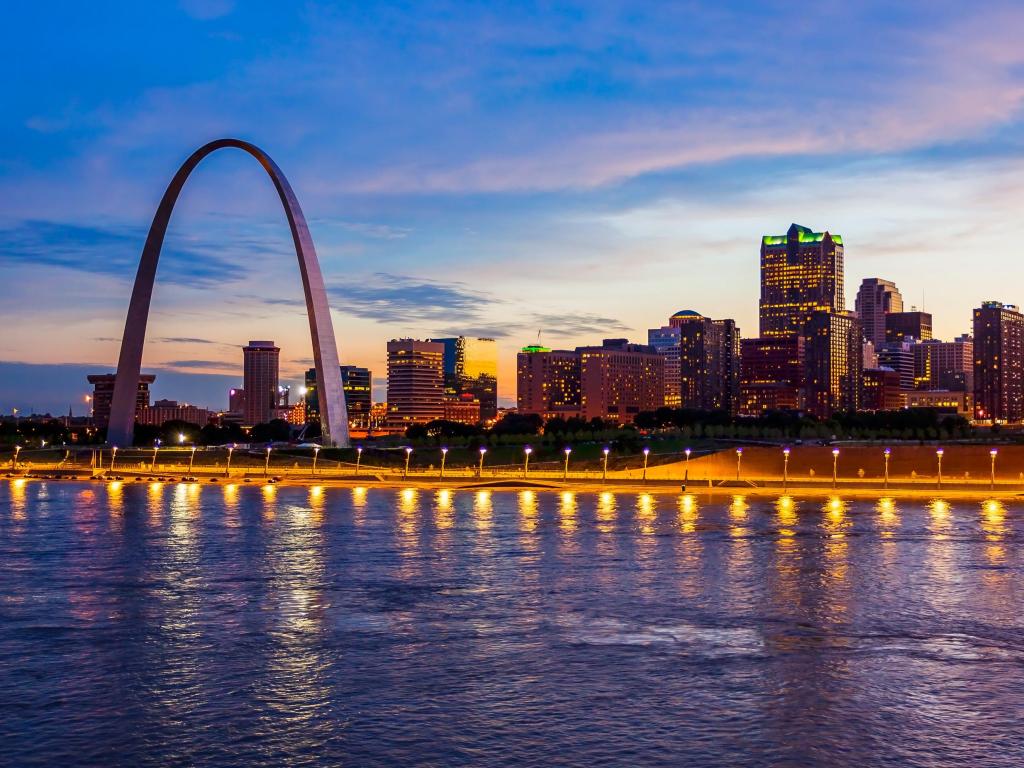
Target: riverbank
<point>896,489</point>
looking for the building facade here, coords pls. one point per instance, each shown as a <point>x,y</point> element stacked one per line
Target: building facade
<point>875,299</point>
<point>945,401</point>
<point>103,394</point>
<point>998,362</point>
<point>881,390</point>
<point>833,359</point>
<point>945,365</point>
<point>415,382</point>
<point>471,367</point>
<point>357,384</point>
<point>666,342</point>
<point>899,356</point>
<point>261,381</point>
<point>801,273</point>
<point>771,375</point>
<point>548,382</point>
<point>709,362</point>
<point>464,409</point>
<point>171,410</point>
<point>618,380</point>
<point>900,326</point>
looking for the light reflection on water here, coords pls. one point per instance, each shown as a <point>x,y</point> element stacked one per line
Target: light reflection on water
<point>268,625</point>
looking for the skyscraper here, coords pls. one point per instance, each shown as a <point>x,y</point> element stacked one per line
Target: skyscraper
<point>415,382</point>
<point>876,298</point>
<point>709,366</point>
<point>356,383</point>
<point>833,358</point>
<point>548,382</point>
<point>908,325</point>
<point>899,356</point>
<point>260,374</point>
<point>998,362</point>
<point>471,367</point>
<point>801,273</point>
<point>103,394</point>
<point>945,365</point>
<point>666,342</point>
<point>618,380</point>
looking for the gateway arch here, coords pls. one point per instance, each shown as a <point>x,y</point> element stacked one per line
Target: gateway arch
<point>331,395</point>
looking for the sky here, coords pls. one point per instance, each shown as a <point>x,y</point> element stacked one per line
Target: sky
<point>561,171</point>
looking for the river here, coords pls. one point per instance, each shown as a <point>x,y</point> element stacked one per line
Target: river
<point>181,624</point>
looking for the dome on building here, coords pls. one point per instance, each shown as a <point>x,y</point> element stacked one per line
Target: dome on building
<point>687,313</point>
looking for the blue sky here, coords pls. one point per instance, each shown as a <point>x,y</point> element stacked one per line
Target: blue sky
<point>577,170</point>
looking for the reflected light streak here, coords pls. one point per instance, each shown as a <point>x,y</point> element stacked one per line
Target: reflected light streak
<point>606,511</point>
<point>785,510</point>
<point>482,510</point>
<point>688,513</point>
<point>444,506</point>
<point>528,511</point>
<point>645,512</point>
<point>738,512</point>
<point>19,505</point>
<point>567,511</point>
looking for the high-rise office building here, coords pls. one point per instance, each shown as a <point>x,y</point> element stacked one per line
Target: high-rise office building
<point>618,380</point>
<point>801,273</point>
<point>666,342</point>
<point>899,356</point>
<point>260,375</point>
<point>875,299</point>
<point>471,366</point>
<point>163,411</point>
<point>709,365</point>
<point>998,362</point>
<point>548,382</point>
<point>833,357</point>
<point>914,325</point>
<point>771,375</point>
<point>357,385</point>
<point>103,395</point>
<point>945,365</point>
<point>415,382</point>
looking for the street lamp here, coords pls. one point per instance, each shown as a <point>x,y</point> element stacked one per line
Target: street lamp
<point>993,454</point>
<point>604,473</point>
<point>266,464</point>
<point>739,458</point>
<point>359,457</point>
<point>785,468</point>
<point>938,455</point>
<point>565,472</point>
<point>14,461</point>
<point>156,447</point>
<point>835,465</point>
<point>480,469</point>
<point>444,457</point>
<point>227,470</point>
<point>316,453</point>
<point>113,455</point>
<point>181,438</point>
<point>192,459</point>
<point>887,452</point>
<point>647,453</point>
<point>526,461</point>
<point>408,454</point>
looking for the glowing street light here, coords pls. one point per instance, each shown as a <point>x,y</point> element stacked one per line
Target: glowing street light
<point>181,438</point>
<point>739,458</point>
<point>480,469</point>
<point>266,465</point>
<point>887,452</point>
<point>604,473</point>
<point>113,456</point>
<point>408,454</point>
<point>785,468</point>
<point>316,453</point>
<point>192,459</point>
<point>444,457</point>
<point>993,453</point>
<point>565,472</point>
<point>835,465</point>
<point>938,455</point>
<point>14,461</point>
<point>359,458</point>
<point>227,470</point>
<point>156,447</point>
<point>526,461</point>
<point>647,453</point>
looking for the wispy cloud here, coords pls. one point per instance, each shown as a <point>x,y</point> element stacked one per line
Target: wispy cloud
<point>389,297</point>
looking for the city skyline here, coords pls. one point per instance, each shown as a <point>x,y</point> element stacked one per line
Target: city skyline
<point>525,230</point>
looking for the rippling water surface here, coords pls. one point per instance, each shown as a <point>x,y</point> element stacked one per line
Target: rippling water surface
<point>179,625</point>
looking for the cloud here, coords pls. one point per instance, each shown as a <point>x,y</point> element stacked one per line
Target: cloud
<point>393,298</point>
<point>112,251</point>
<point>183,340</point>
<point>202,364</point>
<point>570,325</point>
